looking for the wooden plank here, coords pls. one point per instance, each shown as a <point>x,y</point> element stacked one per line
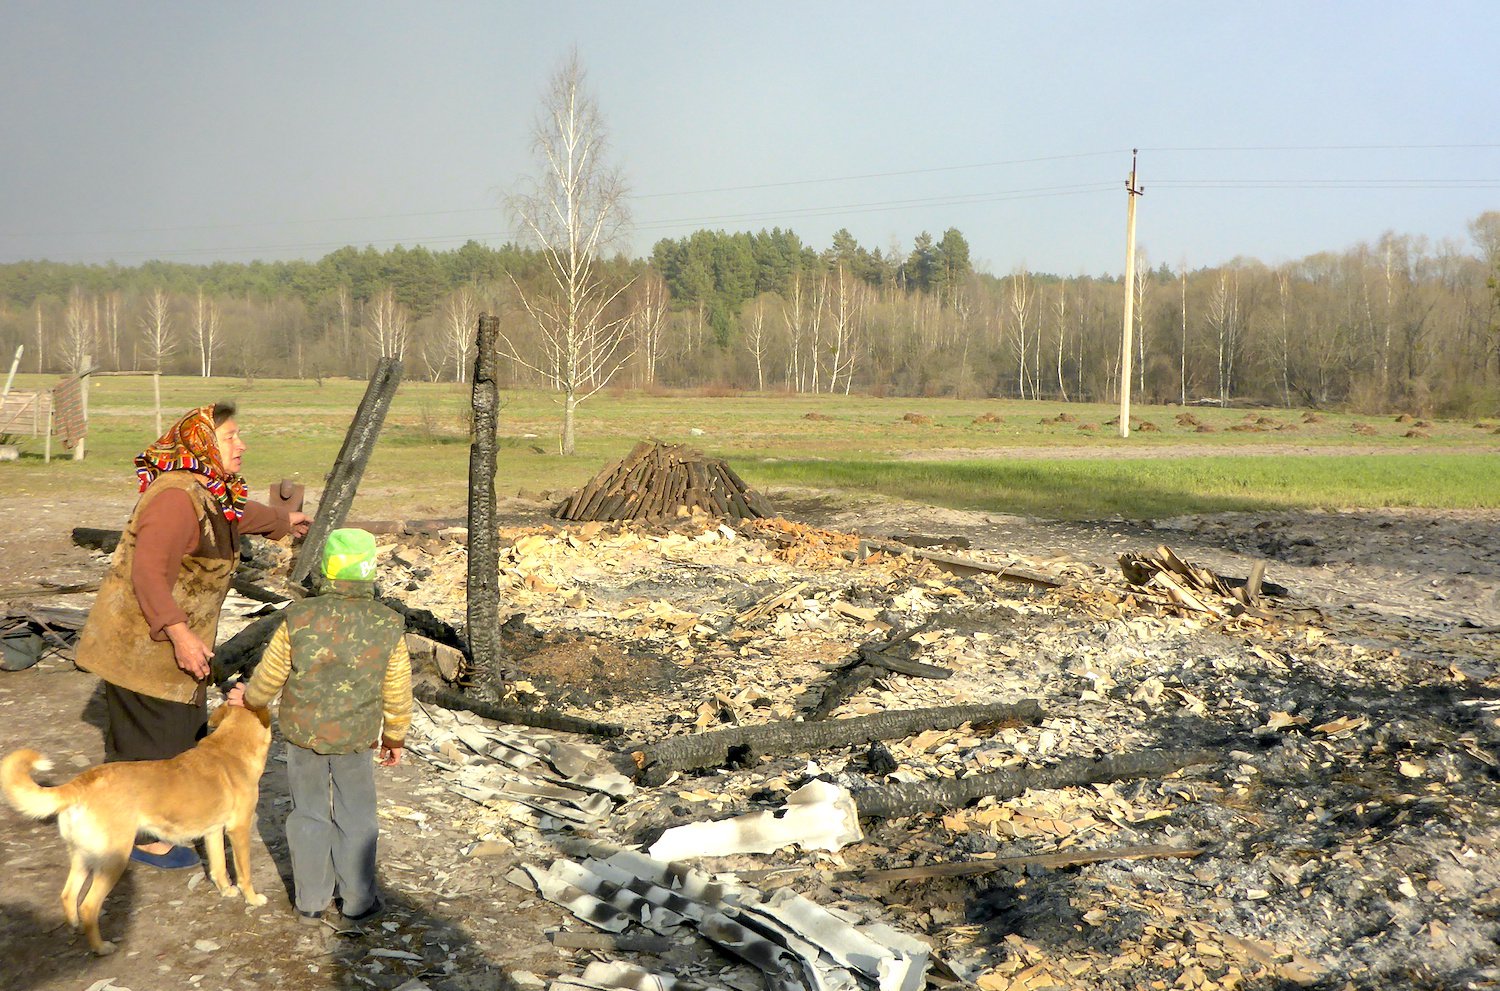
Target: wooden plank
<point>962,565</point>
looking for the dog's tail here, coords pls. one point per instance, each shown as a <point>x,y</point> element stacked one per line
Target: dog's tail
<point>29,798</point>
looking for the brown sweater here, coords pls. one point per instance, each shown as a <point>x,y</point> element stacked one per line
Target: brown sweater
<point>169,532</point>
<point>174,563</point>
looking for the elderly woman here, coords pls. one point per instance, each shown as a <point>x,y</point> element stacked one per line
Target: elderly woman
<point>151,631</point>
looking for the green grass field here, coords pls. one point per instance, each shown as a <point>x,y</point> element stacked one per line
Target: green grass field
<point>1002,456</point>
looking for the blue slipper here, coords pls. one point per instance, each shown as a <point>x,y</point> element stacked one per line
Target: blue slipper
<point>176,859</point>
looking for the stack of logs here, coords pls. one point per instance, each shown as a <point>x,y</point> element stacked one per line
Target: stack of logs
<point>656,482</point>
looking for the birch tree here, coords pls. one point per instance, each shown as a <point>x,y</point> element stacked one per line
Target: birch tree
<point>572,211</point>
<point>78,330</point>
<point>1060,311</point>
<point>756,341</point>
<point>158,337</point>
<point>1020,300</point>
<point>648,324</point>
<point>1224,315</point>
<point>460,318</point>
<point>206,332</point>
<point>388,325</point>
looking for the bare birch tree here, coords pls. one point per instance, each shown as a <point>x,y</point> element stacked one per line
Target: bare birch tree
<point>388,325</point>
<point>460,320</point>
<point>1060,310</point>
<point>78,330</point>
<point>206,332</point>
<point>158,336</point>
<point>756,341</point>
<point>111,327</point>
<point>1020,301</point>
<point>572,211</point>
<point>1142,291</point>
<point>793,315</point>
<point>1224,314</point>
<point>648,324</point>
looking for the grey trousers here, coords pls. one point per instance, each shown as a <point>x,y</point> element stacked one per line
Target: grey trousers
<point>331,829</point>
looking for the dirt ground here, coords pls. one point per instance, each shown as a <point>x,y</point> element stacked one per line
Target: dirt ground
<point>453,921</point>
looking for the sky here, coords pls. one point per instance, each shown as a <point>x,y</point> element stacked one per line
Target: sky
<point>200,132</point>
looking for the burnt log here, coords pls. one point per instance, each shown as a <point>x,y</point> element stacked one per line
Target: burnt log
<point>483,596</point>
<point>106,541</point>
<point>1065,858</point>
<point>515,715</point>
<point>626,942</point>
<point>872,662</point>
<point>349,467</point>
<point>893,801</point>
<point>240,653</point>
<point>655,762</point>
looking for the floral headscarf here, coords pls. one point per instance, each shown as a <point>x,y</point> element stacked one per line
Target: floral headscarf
<point>191,446</point>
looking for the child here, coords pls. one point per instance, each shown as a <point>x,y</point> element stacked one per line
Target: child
<point>341,665</point>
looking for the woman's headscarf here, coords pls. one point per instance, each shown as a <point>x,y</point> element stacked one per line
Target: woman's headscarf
<point>191,446</point>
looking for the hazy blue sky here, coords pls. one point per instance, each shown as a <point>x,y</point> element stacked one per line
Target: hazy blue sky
<point>206,131</point>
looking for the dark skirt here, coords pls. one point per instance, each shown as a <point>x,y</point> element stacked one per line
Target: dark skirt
<point>140,727</point>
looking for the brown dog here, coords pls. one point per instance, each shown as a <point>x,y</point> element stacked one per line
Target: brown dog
<point>200,793</point>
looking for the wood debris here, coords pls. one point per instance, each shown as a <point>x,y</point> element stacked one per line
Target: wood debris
<point>657,482</point>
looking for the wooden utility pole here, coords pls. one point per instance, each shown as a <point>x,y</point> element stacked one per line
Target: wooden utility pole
<point>1131,192</point>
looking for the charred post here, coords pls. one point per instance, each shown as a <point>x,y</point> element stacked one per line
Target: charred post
<point>349,466</point>
<point>484,540</point>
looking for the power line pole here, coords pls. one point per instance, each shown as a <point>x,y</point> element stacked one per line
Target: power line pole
<point>1131,191</point>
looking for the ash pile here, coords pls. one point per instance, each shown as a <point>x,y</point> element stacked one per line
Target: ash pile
<point>810,759</point>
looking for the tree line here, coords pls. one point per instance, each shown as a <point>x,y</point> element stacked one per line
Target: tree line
<point>1397,324</point>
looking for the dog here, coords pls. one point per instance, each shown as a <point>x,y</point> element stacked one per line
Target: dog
<point>199,794</point>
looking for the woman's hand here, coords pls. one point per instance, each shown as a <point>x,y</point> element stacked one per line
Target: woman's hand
<point>190,651</point>
<point>299,523</point>
<point>236,695</point>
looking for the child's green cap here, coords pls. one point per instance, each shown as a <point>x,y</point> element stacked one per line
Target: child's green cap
<point>349,555</point>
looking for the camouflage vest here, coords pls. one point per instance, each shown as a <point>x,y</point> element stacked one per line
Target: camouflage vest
<point>341,641</point>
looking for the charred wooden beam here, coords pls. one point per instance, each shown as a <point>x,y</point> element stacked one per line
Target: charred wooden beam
<point>106,541</point>
<point>483,596</point>
<point>349,467</point>
<point>628,942</point>
<point>872,662</point>
<point>540,718</point>
<point>656,762</point>
<point>1065,858</point>
<point>964,566</point>
<point>240,653</point>
<point>951,793</point>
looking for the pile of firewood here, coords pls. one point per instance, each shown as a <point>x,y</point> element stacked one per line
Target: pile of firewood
<point>662,481</point>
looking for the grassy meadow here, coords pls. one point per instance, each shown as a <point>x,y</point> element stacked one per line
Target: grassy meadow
<point>1002,456</point>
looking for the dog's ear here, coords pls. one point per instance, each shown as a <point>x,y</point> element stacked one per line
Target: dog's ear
<point>264,715</point>
<point>219,715</point>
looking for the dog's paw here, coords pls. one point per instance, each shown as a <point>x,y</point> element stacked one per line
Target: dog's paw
<point>256,900</point>
<point>229,891</point>
<point>105,948</point>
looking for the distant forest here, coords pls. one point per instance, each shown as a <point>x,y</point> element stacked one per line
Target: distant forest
<point>1396,325</point>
